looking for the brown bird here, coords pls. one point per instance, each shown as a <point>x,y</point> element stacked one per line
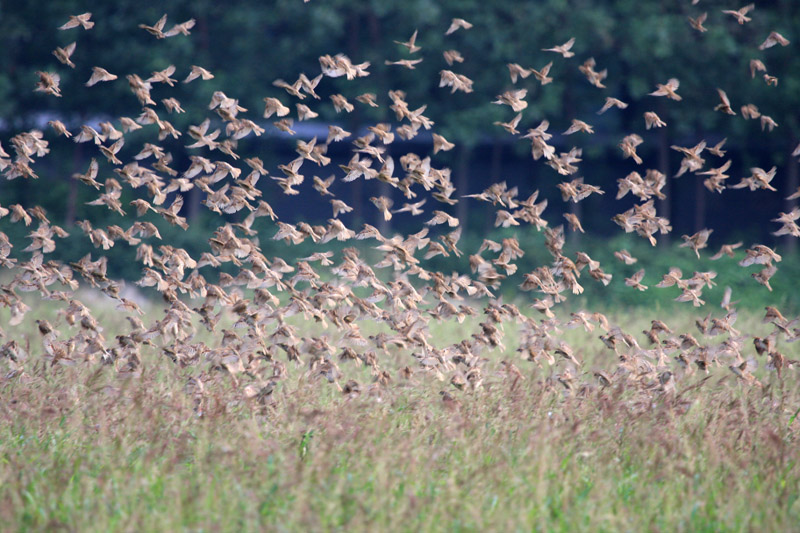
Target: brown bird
<point>726,249</point>
<point>653,121</point>
<point>198,72</point>
<point>578,126</point>
<point>511,126</point>
<point>163,76</point>
<point>440,144</point>
<point>594,77</point>
<point>628,146</point>
<point>64,54</point>
<point>157,28</point>
<point>82,20</point>
<point>411,44</point>
<point>180,29</point>
<point>717,148</point>
<point>756,65</point>
<point>452,56</point>
<point>563,49</point>
<point>740,14</point>
<point>542,75</point>
<point>48,83</point>
<point>764,275</point>
<point>574,222</point>
<point>698,241</point>
<point>457,24</point>
<point>100,74</point>
<point>408,63</point>
<point>697,23</point>
<point>773,39</point>
<point>759,255</point>
<point>668,89</point>
<point>635,280</point>
<point>612,102</point>
<point>625,257</point>
<point>725,104</point>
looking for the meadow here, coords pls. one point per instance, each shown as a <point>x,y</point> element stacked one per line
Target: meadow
<point>87,449</point>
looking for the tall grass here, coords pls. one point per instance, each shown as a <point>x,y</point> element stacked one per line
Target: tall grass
<point>83,448</point>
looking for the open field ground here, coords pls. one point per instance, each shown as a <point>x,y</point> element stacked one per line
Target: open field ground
<point>89,448</point>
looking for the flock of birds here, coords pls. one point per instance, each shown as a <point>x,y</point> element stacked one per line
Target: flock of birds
<point>261,346</point>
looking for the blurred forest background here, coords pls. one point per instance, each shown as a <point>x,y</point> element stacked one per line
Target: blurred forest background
<point>249,44</point>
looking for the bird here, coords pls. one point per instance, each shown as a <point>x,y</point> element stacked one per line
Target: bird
<point>563,49</point>
<point>725,104</point>
<point>542,74</point>
<point>625,257</point>
<point>100,74</point>
<point>440,144</point>
<point>653,121</point>
<point>726,249</point>
<point>635,280</point>
<point>197,72</point>
<point>578,126</point>
<point>163,76</point>
<point>516,72</point>
<point>452,56</point>
<point>774,38</point>
<point>740,14</point>
<point>697,23</point>
<point>511,126</point>
<point>457,24</point>
<point>64,54</point>
<point>59,128</point>
<point>180,29</point>
<point>83,20</point>
<point>411,43</point>
<point>157,28</point>
<point>408,63</point>
<point>668,89</point>
<point>612,102</point>
<point>698,241</point>
<point>48,83</point>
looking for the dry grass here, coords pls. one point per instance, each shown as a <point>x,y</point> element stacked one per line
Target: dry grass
<point>86,449</point>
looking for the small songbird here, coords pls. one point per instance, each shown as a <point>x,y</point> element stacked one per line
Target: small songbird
<point>100,74</point>
<point>64,54</point>
<point>725,104</point>
<point>635,280</point>
<point>411,44</point>
<point>563,49</point>
<point>726,249</point>
<point>668,89</point>
<point>198,72</point>
<point>510,126</point>
<point>78,20</point>
<point>773,39</point>
<point>157,28</point>
<point>698,241</point>
<point>697,23</point>
<point>457,24</point>
<point>740,14</point>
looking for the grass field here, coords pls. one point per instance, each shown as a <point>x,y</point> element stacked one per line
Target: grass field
<point>88,448</point>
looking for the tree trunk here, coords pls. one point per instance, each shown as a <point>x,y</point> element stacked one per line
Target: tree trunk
<point>699,205</point>
<point>72,196</point>
<point>195,197</point>
<point>792,183</point>
<point>462,183</point>
<point>356,187</point>
<point>664,207</point>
